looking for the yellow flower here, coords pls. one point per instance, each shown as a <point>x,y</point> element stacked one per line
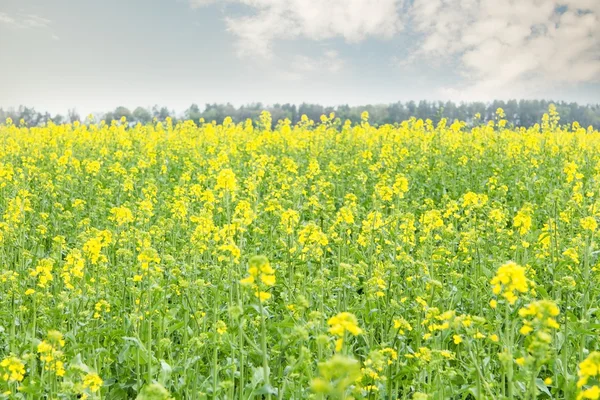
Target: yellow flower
<point>447,354</point>
<point>92,381</point>
<point>51,354</point>
<point>589,224</point>
<point>56,338</point>
<point>121,215</point>
<point>59,368</point>
<point>101,307</point>
<point>312,239</point>
<point>289,220</point>
<point>589,368</point>
<point>343,322</point>
<point>509,280</point>
<point>263,296</point>
<point>44,347</point>
<point>592,393</point>
<point>268,280</point>
<point>402,325</point>
<point>457,339</point>
<point>247,281</point>
<point>260,272</point>
<point>13,369</point>
<point>572,254</point>
<point>226,180</point>
<point>221,327</point>
<point>523,219</point>
<point>525,330</point>
<point>43,272</point>
<point>542,313</point>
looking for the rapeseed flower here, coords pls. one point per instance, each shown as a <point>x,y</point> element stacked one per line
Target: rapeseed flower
<point>12,369</point>
<point>510,281</point>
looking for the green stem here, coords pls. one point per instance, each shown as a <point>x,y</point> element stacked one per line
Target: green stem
<point>263,343</point>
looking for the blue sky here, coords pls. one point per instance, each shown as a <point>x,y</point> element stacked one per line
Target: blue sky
<point>94,56</point>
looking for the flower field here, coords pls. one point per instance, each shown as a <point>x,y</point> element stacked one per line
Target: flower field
<point>323,260</point>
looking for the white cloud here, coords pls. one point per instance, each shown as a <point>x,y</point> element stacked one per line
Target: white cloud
<point>511,48</point>
<point>35,21</point>
<point>515,48</point>
<point>7,19</point>
<point>352,20</point>
<point>201,3</point>
<point>25,21</point>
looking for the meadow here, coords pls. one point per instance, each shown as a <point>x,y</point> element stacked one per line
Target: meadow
<point>326,259</point>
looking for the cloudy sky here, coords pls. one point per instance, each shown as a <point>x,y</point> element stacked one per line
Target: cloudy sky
<point>96,55</point>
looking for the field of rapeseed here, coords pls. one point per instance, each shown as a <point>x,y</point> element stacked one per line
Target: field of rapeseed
<point>322,260</point>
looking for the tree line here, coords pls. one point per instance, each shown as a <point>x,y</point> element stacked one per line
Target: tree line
<point>519,113</point>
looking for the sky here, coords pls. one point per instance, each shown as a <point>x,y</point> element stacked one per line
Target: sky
<point>96,55</point>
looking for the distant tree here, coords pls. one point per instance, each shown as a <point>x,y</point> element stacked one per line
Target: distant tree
<point>142,115</point>
<point>73,115</point>
<point>512,111</point>
<point>58,119</point>
<point>161,113</point>
<point>411,108</point>
<point>44,118</point>
<point>121,112</point>
<point>193,113</point>
<point>312,111</point>
<point>519,113</point>
<point>28,115</point>
<point>281,112</point>
<point>290,112</point>
<point>249,111</point>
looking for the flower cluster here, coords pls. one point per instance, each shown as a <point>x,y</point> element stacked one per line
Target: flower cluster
<point>261,276</point>
<point>510,281</point>
<point>342,323</point>
<point>12,369</point>
<point>589,377</point>
<point>50,351</point>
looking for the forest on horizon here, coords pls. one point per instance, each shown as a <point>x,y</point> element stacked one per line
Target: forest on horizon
<point>524,113</point>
